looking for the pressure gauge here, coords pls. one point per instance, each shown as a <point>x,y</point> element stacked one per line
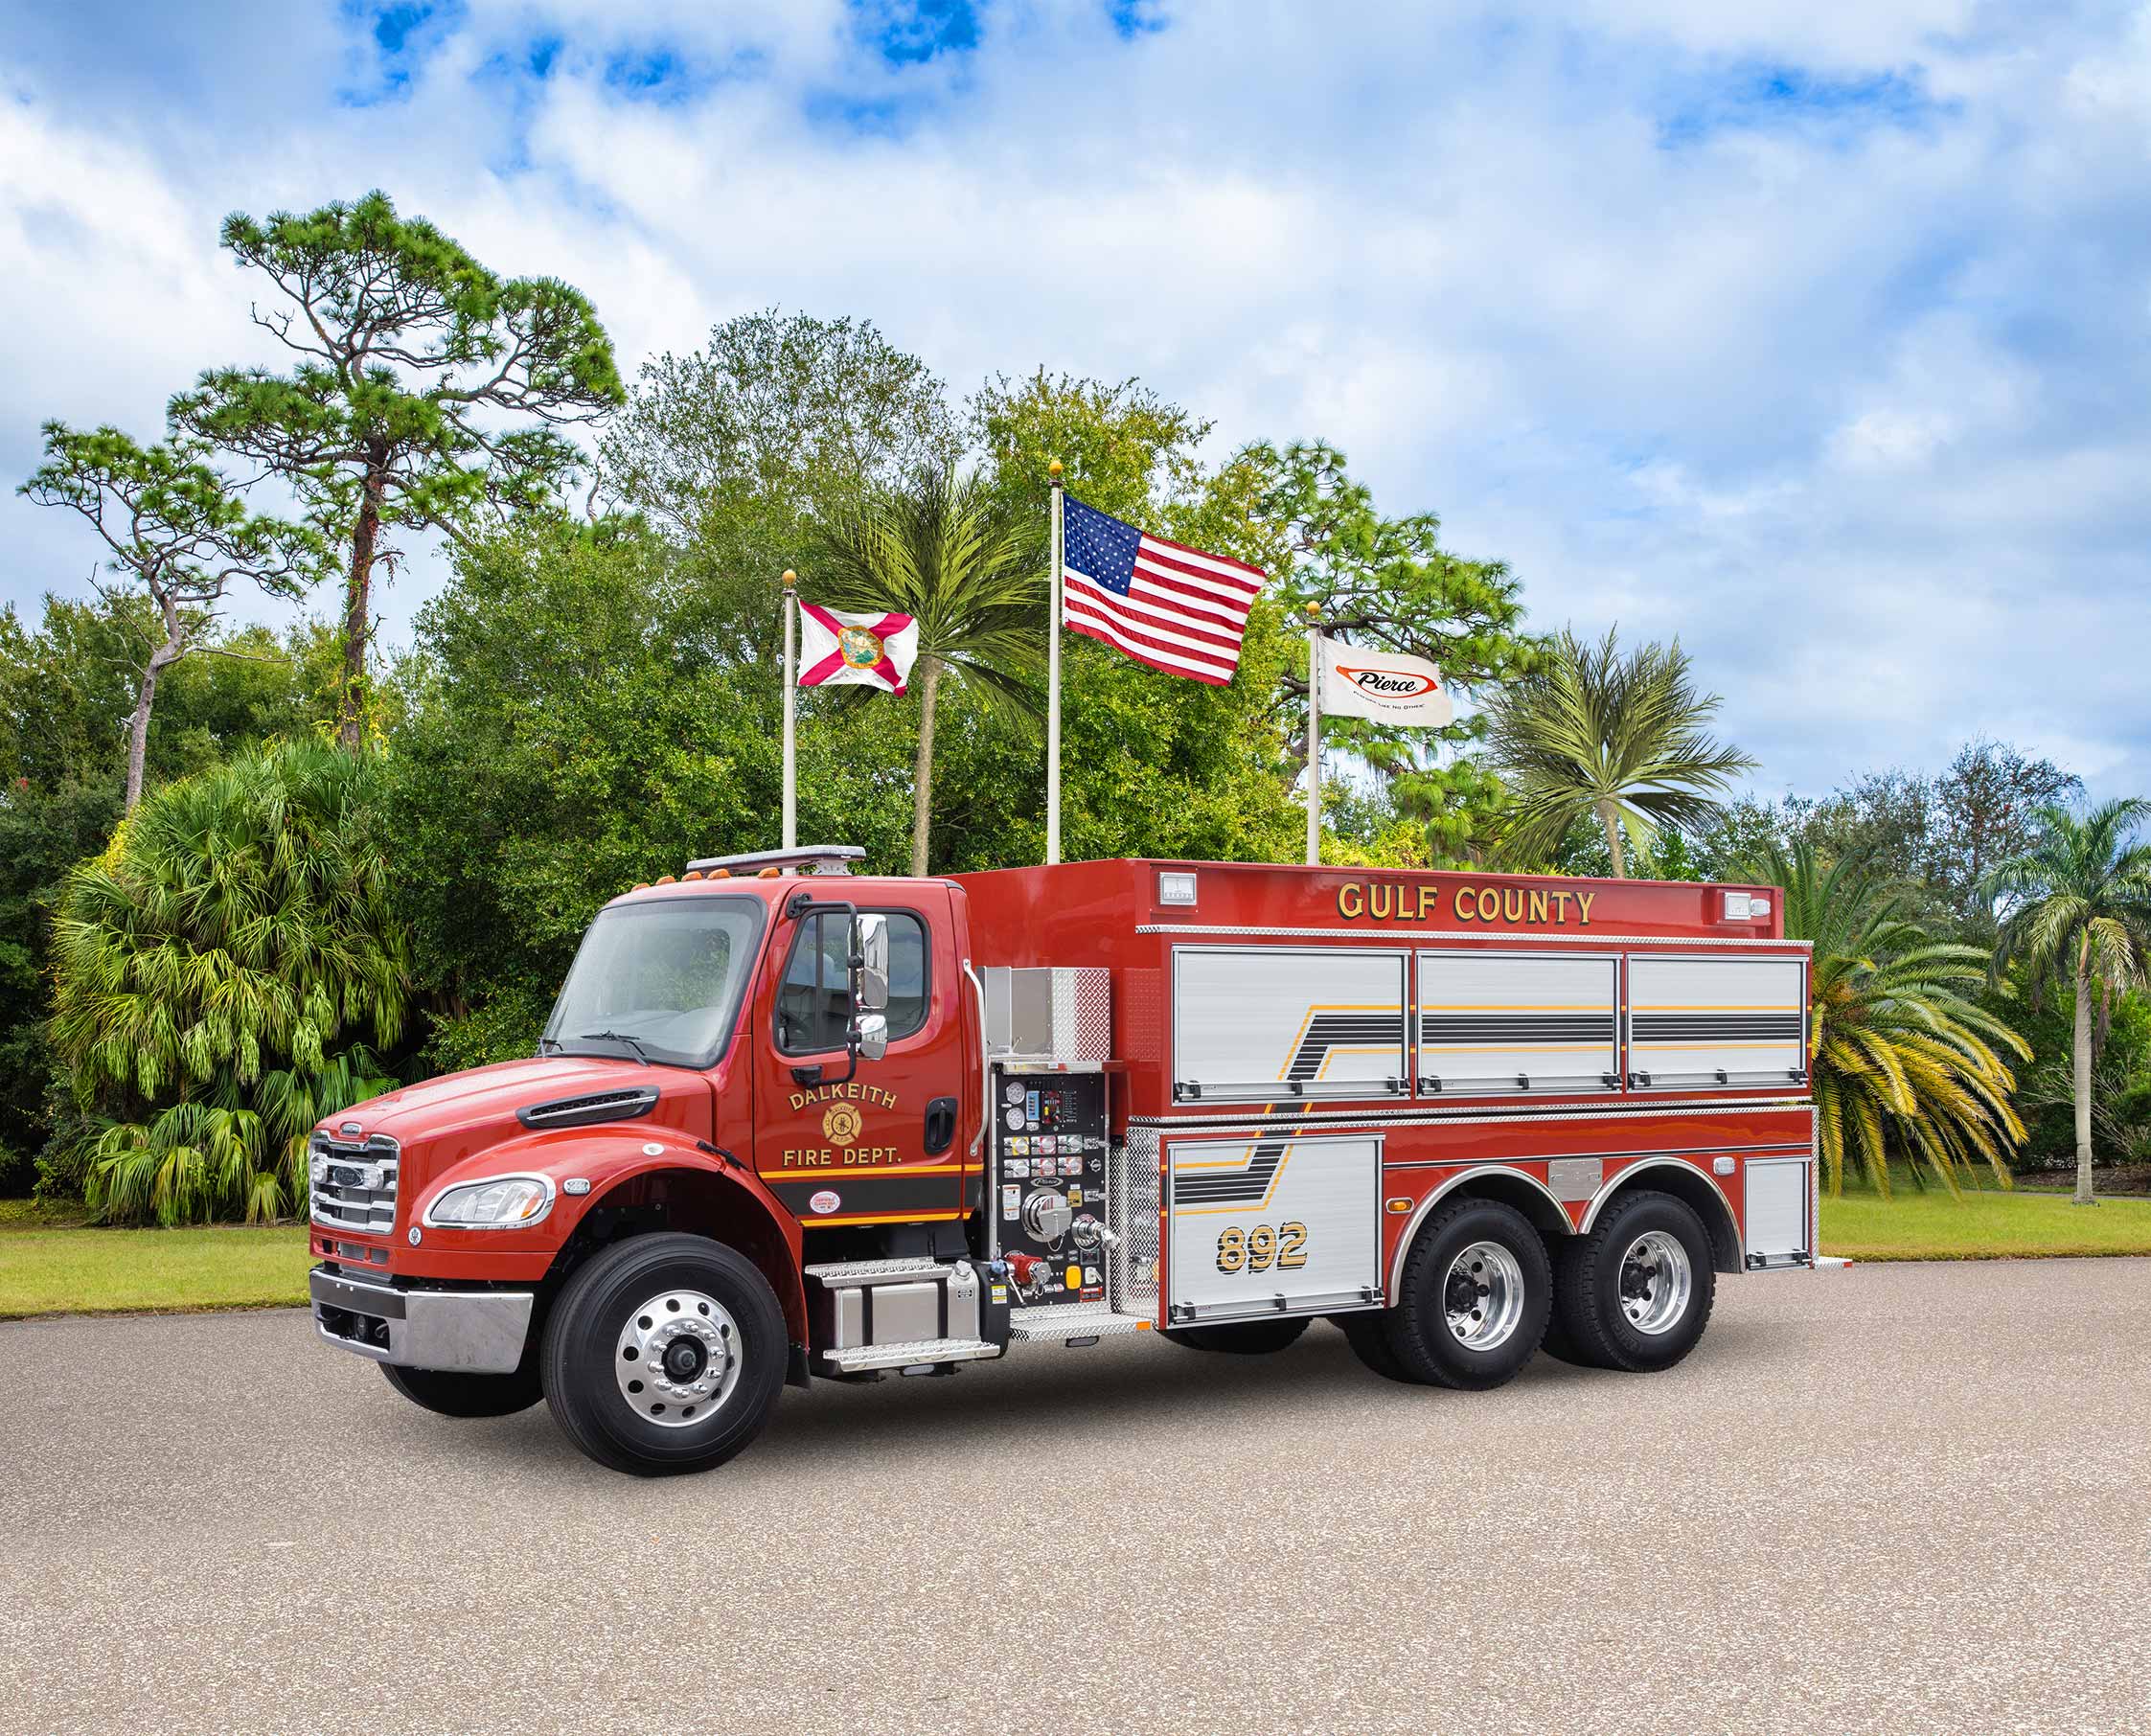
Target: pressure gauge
<point>1013,1091</point>
<point>1015,1118</point>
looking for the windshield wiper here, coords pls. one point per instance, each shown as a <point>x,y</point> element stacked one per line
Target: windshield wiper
<point>549,1042</point>
<point>614,1037</point>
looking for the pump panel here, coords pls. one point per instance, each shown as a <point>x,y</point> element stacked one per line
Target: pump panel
<point>1047,1207</point>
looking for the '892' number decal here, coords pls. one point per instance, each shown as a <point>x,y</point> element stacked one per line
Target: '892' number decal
<point>1259,1248</point>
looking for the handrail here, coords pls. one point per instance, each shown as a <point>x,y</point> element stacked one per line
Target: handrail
<point>985,1070</point>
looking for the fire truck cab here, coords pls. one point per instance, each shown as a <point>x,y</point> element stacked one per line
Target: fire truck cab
<point>788,1123</point>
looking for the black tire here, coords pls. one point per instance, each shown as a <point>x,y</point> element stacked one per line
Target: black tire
<point>1595,1331</point>
<point>604,1303</point>
<point>452,1394</point>
<point>1242,1338</point>
<point>1418,1329</point>
<point>1368,1334</point>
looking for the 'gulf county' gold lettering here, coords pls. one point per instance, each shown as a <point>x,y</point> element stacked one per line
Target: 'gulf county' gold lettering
<point>1386,899</point>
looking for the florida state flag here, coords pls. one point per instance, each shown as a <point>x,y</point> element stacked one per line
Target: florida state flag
<point>840,648</point>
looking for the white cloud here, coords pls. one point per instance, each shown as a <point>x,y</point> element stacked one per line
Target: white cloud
<point>1815,334</point>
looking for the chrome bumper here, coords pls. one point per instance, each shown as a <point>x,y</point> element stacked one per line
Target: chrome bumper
<point>475,1331</point>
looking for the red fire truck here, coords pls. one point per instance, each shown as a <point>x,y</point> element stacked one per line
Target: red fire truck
<point>789,1123</point>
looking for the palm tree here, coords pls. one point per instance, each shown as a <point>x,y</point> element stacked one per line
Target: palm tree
<point>2079,910</point>
<point>210,969</point>
<point>1899,1053</point>
<point>943,551</point>
<point>1623,738</point>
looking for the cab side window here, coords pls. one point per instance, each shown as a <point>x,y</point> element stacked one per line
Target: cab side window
<point>814,998</point>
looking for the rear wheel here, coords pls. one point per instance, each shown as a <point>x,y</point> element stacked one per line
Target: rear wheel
<point>1635,1293</point>
<point>665,1355</point>
<point>452,1394</point>
<point>1242,1338</point>
<point>1473,1305</point>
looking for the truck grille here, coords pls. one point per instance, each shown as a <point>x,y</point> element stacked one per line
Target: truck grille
<point>351,1183</point>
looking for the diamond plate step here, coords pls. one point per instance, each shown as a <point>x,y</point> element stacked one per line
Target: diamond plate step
<point>1070,1320</point>
<point>876,1271</point>
<point>862,1357</point>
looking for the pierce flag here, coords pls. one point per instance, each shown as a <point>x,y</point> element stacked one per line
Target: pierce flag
<point>839,647</point>
<point>1386,687</point>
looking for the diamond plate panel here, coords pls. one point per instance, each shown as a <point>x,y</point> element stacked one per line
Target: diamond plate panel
<point>1132,1214</point>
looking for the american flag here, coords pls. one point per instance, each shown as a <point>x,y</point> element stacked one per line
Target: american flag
<point>1164,603</point>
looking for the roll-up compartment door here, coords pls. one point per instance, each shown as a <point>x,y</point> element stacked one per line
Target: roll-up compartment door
<point>1699,1021</point>
<point>1272,1225</point>
<point>1278,1023</point>
<point>1510,1021</point>
<point>1774,1219</point>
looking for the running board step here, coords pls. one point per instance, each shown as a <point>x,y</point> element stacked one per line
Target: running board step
<point>1070,1320</point>
<point>859,1359</point>
<point>876,1271</point>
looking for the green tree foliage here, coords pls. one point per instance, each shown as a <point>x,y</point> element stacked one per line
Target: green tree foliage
<point>426,390</point>
<point>43,833</point>
<point>577,724</point>
<point>733,450</point>
<point>66,695</point>
<point>944,551</point>
<point>1624,738</point>
<point>171,526</point>
<point>1904,1062</point>
<point>1148,764</point>
<point>2078,909</point>
<point>1388,582</point>
<point>217,973</point>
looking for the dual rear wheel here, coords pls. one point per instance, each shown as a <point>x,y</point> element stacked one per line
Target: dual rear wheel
<point>1480,1294</point>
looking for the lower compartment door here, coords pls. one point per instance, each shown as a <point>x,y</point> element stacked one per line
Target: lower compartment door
<point>1290,1225</point>
<point>1780,1195</point>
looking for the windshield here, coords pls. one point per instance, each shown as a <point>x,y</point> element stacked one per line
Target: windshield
<point>660,979</point>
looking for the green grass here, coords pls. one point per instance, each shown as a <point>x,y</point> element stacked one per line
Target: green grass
<point>48,1270</point>
<point>1982,1224</point>
<point>51,1264</point>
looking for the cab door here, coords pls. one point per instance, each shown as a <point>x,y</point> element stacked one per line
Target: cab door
<point>880,1146</point>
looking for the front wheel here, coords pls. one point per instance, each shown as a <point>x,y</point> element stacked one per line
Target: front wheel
<point>665,1355</point>
<point>449,1394</point>
<point>1635,1293</point>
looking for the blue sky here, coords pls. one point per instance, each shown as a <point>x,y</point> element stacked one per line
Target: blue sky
<point>1817,335</point>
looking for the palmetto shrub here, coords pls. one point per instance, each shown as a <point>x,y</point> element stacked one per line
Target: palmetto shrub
<point>1905,1065</point>
<point>219,973</point>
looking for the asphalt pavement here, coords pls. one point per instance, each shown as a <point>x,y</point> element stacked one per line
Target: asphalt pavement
<point>1894,1498</point>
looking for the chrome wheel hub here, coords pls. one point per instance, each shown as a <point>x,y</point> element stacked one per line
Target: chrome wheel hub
<point>1482,1296</point>
<point>678,1359</point>
<point>1656,1281</point>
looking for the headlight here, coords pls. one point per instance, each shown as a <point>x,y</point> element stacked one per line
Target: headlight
<point>503,1202</point>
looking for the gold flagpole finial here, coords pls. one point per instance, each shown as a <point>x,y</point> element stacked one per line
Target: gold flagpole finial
<point>790,577</point>
<point>1314,611</point>
<point>1053,469</point>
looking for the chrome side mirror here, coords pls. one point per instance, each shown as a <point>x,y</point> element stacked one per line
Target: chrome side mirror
<point>870,967</point>
<point>870,1036</point>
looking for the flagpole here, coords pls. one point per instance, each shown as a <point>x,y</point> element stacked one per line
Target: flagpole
<point>1314,735</point>
<point>791,706</point>
<point>1053,682</point>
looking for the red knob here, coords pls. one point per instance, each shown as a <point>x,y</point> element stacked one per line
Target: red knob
<point>1027,1269</point>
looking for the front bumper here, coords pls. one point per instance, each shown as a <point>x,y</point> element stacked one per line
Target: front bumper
<point>474,1331</point>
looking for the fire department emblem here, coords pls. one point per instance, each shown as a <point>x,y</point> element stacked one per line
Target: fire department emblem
<point>858,646</point>
<point>840,1125</point>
